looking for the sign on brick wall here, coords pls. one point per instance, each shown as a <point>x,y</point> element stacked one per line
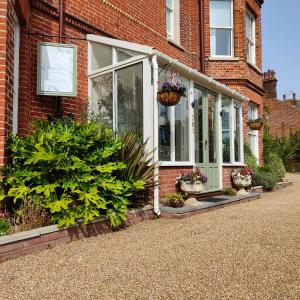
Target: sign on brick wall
<point>57,69</point>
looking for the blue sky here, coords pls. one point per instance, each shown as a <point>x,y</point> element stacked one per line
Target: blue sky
<point>281,43</point>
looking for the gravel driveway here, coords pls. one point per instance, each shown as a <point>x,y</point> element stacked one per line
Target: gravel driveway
<point>245,251</point>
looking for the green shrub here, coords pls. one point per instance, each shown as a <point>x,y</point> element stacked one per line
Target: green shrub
<point>276,166</point>
<point>70,169</point>
<point>4,227</point>
<point>229,191</point>
<point>264,177</point>
<point>284,147</point>
<point>250,159</point>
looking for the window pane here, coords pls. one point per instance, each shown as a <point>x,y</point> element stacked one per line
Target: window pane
<point>212,128</point>
<point>221,42</point>
<point>182,128</point>
<point>125,54</point>
<point>226,104</point>
<point>220,13</point>
<point>198,107</point>
<point>130,98</point>
<point>237,133</point>
<point>248,27</point>
<point>102,99</point>
<point>168,21</point>
<point>101,56</point>
<point>164,133</point>
<point>169,3</point>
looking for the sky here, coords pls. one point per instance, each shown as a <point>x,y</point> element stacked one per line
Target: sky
<point>281,43</point>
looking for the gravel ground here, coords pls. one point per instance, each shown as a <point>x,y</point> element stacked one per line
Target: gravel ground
<point>245,251</point>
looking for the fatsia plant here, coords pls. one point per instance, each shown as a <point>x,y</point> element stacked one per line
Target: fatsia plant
<point>72,170</point>
<point>139,164</point>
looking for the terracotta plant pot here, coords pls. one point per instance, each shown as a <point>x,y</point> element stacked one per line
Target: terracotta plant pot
<point>256,124</point>
<point>168,98</point>
<point>192,188</point>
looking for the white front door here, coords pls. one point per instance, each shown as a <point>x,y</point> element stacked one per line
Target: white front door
<point>207,157</point>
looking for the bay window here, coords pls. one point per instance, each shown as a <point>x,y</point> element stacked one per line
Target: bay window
<point>253,134</point>
<point>250,37</point>
<point>231,131</point>
<point>221,28</point>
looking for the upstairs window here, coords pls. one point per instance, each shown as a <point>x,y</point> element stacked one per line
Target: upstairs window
<point>250,37</point>
<point>172,20</point>
<point>221,28</point>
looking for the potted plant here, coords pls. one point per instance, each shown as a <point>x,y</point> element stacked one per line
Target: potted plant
<point>170,92</point>
<point>256,124</point>
<point>242,179</point>
<point>192,183</point>
<point>173,200</point>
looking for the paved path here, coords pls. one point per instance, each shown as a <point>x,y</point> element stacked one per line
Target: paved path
<point>245,251</point>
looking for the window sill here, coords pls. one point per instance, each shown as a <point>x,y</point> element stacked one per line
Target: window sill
<point>176,164</point>
<point>233,165</point>
<point>176,44</point>
<point>223,58</point>
<point>254,67</point>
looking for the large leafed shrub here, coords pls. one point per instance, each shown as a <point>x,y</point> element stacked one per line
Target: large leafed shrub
<point>73,170</point>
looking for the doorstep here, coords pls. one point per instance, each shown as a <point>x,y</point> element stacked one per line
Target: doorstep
<point>206,204</point>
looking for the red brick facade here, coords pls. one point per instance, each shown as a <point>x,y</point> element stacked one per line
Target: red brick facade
<point>132,21</point>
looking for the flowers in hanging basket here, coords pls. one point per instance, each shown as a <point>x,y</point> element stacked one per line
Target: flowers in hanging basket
<point>193,177</point>
<point>172,86</point>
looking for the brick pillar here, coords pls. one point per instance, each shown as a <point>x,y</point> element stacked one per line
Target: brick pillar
<point>270,85</point>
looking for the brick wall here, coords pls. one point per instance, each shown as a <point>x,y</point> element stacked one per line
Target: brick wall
<point>284,116</point>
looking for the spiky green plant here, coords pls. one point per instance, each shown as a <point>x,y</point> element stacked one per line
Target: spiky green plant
<point>139,164</point>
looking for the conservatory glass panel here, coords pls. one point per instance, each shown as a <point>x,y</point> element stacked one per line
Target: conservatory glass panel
<point>164,133</point>
<point>182,127</point>
<point>226,141</point>
<point>212,138</point>
<point>198,104</point>
<point>101,56</point>
<point>102,99</point>
<point>130,98</point>
<point>237,133</point>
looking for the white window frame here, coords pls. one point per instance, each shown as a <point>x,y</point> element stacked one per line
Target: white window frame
<point>232,162</point>
<point>170,9</point>
<point>231,35</point>
<point>147,87</point>
<point>251,42</point>
<point>253,110</point>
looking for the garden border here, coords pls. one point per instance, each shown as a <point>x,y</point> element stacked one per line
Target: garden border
<point>31,241</point>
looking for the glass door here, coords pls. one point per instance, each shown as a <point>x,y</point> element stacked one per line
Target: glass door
<point>206,136</point>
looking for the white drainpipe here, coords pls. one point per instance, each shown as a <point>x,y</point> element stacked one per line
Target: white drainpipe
<point>155,133</point>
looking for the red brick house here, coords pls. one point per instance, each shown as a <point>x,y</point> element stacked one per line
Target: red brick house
<point>123,48</point>
<point>283,115</point>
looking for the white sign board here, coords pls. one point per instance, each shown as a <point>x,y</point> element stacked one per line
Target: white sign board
<point>57,69</point>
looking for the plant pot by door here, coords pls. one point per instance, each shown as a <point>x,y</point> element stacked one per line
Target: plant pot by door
<point>168,98</point>
<point>242,183</point>
<point>192,188</point>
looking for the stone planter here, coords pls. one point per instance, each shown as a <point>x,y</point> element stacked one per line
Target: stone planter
<point>242,183</point>
<point>192,188</point>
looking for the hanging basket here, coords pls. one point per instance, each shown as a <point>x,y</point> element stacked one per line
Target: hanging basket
<point>168,98</point>
<point>256,124</point>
